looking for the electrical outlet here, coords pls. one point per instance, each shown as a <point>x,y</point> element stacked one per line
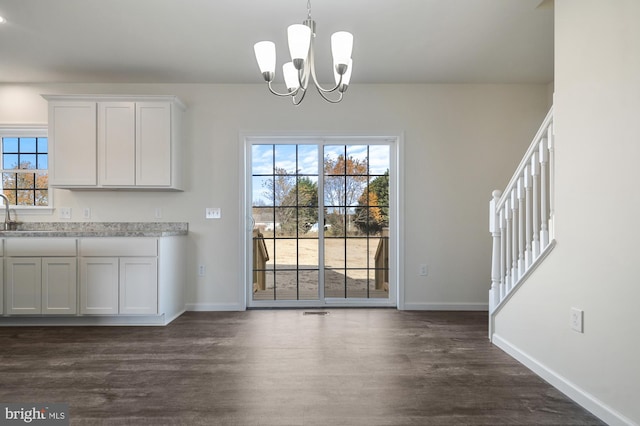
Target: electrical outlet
<point>86,213</point>
<point>202,270</point>
<point>576,321</point>
<point>64,213</point>
<point>212,213</point>
<point>158,213</point>
<point>423,271</point>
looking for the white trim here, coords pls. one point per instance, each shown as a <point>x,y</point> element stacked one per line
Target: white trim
<point>213,307</point>
<point>570,389</point>
<point>446,306</point>
<point>87,320</point>
<point>396,144</point>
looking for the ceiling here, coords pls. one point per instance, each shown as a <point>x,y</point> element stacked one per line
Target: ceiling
<point>211,41</point>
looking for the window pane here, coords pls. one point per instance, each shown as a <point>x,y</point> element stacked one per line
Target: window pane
<point>9,145</point>
<point>28,161</point>
<point>43,162</point>
<point>334,252</point>
<point>334,191</point>
<point>11,195</point>
<point>357,160</point>
<point>9,161</point>
<point>334,282</point>
<point>42,181</point>
<point>307,191</point>
<point>262,191</point>
<point>379,160</point>
<point>286,222</point>
<point>9,180</point>
<point>26,180</point>
<point>25,198</point>
<point>27,144</point>
<point>42,197</point>
<point>285,159</point>
<point>43,145</point>
<point>308,159</point>
<point>262,159</point>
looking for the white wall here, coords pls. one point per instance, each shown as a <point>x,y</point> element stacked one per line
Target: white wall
<point>461,142</point>
<point>594,266</point>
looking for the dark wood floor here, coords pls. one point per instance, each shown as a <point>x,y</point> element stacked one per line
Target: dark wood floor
<point>282,367</point>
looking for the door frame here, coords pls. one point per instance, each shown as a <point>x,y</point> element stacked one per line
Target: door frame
<point>396,210</point>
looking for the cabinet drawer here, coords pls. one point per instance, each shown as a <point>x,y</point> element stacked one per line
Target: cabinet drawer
<point>118,247</point>
<point>15,247</point>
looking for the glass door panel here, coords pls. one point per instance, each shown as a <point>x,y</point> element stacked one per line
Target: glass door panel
<point>321,221</point>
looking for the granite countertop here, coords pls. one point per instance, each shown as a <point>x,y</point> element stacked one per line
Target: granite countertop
<point>98,229</point>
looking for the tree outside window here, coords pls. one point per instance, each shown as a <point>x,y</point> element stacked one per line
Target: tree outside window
<point>25,179</point>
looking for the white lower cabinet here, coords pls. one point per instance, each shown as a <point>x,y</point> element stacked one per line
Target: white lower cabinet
<point>38,285</point>
<point>99,285</point>
<point>98,280</point>
<point>138,285</point>
<point>111,285</point>
<point>119,276</point>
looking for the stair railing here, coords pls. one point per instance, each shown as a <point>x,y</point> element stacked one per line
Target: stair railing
<point>521,218</point>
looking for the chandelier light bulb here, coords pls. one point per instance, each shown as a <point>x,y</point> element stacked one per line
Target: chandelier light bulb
<point>341,47</point>
<point>290,76</point>
<point>299,36</point>
<point>266,56</point>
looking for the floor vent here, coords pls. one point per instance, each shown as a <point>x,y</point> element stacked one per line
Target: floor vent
<point>315,313</point>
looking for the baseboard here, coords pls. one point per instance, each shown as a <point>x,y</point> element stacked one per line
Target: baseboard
<point>212,307</point>
<point>446,307</point>
<point>584,399</point>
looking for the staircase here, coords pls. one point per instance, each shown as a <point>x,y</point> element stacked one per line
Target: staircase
<point>521,220</point>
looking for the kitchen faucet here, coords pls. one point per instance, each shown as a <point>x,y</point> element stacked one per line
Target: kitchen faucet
<point>7,216</point>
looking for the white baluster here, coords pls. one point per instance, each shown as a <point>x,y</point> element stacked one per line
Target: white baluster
<point>528,219</point>
<point>544,193</point>
<point>503,254</point>
<point>550,147</point>
<point>535,208</point>
<point>494,228</point>
<point>508,218</point>
<point>521,215</point>
<point>515,275</point>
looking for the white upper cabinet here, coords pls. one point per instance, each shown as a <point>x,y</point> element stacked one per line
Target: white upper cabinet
<point>117,143</point>
<point>131,141</point>
<point>153,143</point>
<point>72,161</point>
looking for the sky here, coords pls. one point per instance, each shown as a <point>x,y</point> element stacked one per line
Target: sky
<point>266,158</point>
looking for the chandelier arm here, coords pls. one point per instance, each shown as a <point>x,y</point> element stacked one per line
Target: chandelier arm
<point>328,99</point>
<point>312,65</point>
<point>290,93</point>
<point>293,98</point>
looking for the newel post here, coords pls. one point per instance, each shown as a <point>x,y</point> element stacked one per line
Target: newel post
<point>494,229</point>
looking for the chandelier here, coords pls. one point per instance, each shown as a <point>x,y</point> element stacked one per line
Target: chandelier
<point>301,69</point>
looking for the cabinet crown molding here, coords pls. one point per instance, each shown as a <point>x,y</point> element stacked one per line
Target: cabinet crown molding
<point>117,98</point>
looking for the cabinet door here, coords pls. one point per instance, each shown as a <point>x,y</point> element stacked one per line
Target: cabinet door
<point>116,143</point>
<point>59,285</point>
<point>24,285</point>
<point>138,285</point>
<point>72,144</point>
<point>99,285</point>
<point>153,143</point>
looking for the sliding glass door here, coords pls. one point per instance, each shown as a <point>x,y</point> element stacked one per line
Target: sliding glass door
<point>320,222</point>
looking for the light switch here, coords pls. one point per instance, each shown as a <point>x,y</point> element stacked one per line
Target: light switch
<point>212,213</point>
